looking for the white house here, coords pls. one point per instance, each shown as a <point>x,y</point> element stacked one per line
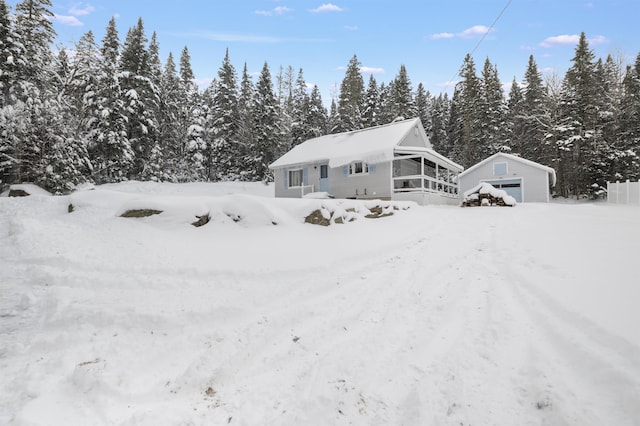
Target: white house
<point>524,180</point>
<point>393,161</point>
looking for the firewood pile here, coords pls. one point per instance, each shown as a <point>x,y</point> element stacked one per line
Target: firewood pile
<point>487,195</point>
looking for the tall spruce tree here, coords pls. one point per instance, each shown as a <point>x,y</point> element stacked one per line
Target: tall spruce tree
<point>142,103</point>
<point>515,128</point>
<point>109,148</point>
<point>492,112</point>
<point>423,108</point>
<point>467,146</point>
<point>371,101</point>
<point>351,99</point>
<point>578,129</point>
<point>401,101</point>
<point>224,124</point>
<point>318,120</point>
<point>246,123</point>
<point>627,162</point>
<point>267,145</point>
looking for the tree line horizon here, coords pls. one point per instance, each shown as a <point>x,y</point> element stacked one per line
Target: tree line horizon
<point>113,111</point>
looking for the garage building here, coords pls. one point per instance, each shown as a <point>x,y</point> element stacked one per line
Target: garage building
<point>524,180</point>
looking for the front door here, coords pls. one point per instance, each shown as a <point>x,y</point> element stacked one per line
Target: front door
<point>324,178</point>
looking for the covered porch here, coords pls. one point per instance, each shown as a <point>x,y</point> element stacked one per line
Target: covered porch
<point>424,176</point>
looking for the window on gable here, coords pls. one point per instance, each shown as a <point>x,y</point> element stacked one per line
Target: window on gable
<point>295,178</point>
<point>499,169</point>
<point>358,168</point>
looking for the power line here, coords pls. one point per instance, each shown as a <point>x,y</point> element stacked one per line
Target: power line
<point>495,21</point>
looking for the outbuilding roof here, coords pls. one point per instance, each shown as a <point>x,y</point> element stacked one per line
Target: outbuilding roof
<point>373,145</point>
<point>552,172</point>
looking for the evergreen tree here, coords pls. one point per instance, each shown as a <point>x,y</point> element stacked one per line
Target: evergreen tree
<point>423,108</point>
<point>351,99</point>
<point>515,129</point>
<point>36,34</point>
<point>190,124</point>
<point>371,101</point>
<point>318,120</point>
<point>578,128</point>
<point>627,162</point>
<point>440,124</point>
<point>300,112</point>
<point>267,146</point>
<point>142,103</point>
<point>110,151</point>
<point>401,101</point>
<point>171,138</point>
<point>535,116</point>
<point>492,113</point>
<point>465,135</point>
<point>385,112</point>
<point>246,123</point>
<point>224,125</point>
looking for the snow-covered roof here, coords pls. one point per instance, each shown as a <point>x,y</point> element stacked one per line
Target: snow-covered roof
<point>373,145</point>
<point>547,169</point>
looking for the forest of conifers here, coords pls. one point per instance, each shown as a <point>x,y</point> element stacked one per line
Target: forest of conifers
<point>109,111</point>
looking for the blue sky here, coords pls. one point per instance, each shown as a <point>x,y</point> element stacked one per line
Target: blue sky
<point>430,37</point>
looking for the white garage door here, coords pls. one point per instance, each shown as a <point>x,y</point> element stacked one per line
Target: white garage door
<point>512,187</point>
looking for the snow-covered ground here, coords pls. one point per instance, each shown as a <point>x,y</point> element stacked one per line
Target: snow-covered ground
<point>431,316</point>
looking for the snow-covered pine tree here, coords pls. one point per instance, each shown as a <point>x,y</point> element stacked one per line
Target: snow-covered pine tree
<point>492,112</point>
<point>12,61</point>
<point>371,101</point>
<point>578,127</point>
<point>318,120</point>
<point>300,112</point>
<point>351,99</point>
<point>108,143</point>
<point>515,119</point>
<point>246,125</point>
<point>535,116</point>
<point>142,102</point>
<point>190,124</point>
<point>465,124</point>
<point>385,112</point>
<point>267,145</point>
<point>223,123</point>
<point>627,162</point>
<point>401,101</point>
<point>440,124</point>
<point>170,139</point>
<point>34,31</point>
<point>423,108</point>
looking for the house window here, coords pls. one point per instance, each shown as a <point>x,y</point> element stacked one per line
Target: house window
<point>295,178</point>
<point>324,171</point>
<point>499,169</point>
<point>358,168</point>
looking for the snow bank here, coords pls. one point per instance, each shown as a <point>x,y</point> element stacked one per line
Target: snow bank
<point>403,320</point>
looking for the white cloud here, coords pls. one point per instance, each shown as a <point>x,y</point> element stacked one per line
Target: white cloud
<point>560,40</point>
<point>80,10</point>
<point>571,39</point>
<point>279,10</point>
<point>71,21</point>
<point>441,36</point>
<point>351,27</point>
<point>371,70</point>
<point>594,41</point>
<point>327,7</point>
<point>475,31</point>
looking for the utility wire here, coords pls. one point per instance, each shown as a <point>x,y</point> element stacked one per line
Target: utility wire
<point>495,21</point>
